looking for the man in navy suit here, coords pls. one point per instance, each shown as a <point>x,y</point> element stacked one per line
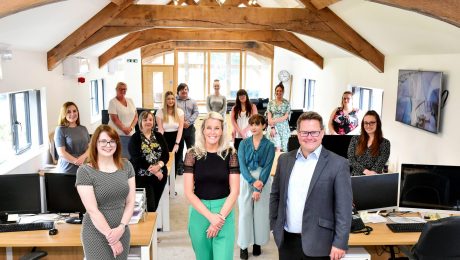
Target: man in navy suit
<point>311,197</point>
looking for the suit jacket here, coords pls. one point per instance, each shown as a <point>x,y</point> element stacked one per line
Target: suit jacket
<point>327,211</point>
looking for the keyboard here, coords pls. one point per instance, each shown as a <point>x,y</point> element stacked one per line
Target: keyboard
<point>26,227</point>
<point>406,227</point>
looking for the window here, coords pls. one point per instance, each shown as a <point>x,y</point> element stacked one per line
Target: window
<point>98,98</point>
<point>23,127</point>
<point>94,98</point>
<point>225,66</point>
<point>367,99</point>
<point>309,94</point>
<point>192,71</point>
<point>257,75</point>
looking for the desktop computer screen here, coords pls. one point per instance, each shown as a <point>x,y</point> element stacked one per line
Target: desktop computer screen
<point>62,195</point>
<point>295,113</point>
<point>430,188</point>
<point>375,192</point>
<point>20,193</point>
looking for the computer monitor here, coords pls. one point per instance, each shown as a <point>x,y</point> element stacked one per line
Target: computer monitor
<point>295,113</point>
<point>19,194</point>
<point>375,192</point>
<point>62,195</point>
<point>430,188</point>
<point>334,143</point>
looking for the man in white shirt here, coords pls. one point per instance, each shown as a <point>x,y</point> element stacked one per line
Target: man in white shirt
<point>311,197</point>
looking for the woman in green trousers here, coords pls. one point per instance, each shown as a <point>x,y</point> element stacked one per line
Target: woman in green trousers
<point>211,184</point>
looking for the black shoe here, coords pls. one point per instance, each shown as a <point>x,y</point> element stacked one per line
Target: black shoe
<point>256,250</point>
<point>244,254</point>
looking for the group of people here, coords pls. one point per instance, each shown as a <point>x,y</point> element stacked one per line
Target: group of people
<point>308,205</point>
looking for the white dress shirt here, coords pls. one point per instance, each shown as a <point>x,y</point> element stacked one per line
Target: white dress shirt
<point>299,183</point>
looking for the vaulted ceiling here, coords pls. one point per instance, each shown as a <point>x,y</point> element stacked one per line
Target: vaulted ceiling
<point>297,26</point>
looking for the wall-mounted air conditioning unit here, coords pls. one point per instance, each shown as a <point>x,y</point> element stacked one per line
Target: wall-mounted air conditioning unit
<point>75,66</point>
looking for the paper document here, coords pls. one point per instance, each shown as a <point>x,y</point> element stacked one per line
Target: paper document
<point>407,219</point>
<point>38,218</point>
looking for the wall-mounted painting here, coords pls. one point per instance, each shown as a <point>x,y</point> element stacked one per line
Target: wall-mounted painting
<point>419,98</point>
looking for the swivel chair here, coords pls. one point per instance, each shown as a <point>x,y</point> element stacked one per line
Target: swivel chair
<point>439,240</point>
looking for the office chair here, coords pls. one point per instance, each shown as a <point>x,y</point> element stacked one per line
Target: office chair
<point>438,241</point>
<point>34,255</point>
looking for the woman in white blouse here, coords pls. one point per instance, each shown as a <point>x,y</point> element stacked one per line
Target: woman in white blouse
<point>122,116</point>
<point>170,121</point>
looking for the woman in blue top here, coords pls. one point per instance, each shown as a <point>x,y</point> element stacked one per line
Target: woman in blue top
<point>255,156</point>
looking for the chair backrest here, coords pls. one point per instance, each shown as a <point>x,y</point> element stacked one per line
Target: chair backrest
<point>439,240</point>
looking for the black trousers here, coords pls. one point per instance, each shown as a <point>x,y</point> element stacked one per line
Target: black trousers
<point>171,141</point>
<point>153,188</point>
<point>291,249</point>
<point>188,135</point>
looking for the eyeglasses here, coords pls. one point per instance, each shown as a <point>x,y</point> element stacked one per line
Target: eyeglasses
<point>104,142</point>
<point>312,133</point>
<point>369,123</point>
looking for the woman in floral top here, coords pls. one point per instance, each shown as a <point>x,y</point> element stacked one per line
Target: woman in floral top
<point>149,155</point>
<point>345,119</point>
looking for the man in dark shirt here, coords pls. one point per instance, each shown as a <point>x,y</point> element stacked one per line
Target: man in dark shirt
<point>190,109</point>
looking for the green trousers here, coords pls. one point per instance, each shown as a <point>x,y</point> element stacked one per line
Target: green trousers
<point>219,247</point>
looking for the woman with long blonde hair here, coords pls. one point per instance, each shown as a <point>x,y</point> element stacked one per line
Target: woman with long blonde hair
<point>71,139</point>
<point>170,120</point>
<point>211,185</point>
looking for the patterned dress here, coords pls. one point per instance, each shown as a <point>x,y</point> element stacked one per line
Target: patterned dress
<point>282,129</point>
<point>111,190</point>
<point>366,161</point>
<point>343,124</point>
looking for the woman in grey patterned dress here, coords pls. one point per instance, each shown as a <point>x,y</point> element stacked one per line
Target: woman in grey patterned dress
<point>107,189</point>
<point>369,151</point>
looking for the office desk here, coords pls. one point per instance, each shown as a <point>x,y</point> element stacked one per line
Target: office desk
<point>381,236</point>
<point>67,243</point>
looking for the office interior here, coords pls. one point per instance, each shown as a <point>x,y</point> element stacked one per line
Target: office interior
<point>406,39</point>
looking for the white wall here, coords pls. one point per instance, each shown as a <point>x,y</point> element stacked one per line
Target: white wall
<point>408,144</point>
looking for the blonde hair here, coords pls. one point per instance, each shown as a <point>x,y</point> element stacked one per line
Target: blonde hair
<point>165,108</point>
<point>199,150</point>
<point>62,115</point>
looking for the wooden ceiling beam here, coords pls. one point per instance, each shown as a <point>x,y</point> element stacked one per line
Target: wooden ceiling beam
<point>320,4</point>
<point>12,7</point>
<point>69,44</point>
<point>321,24</point>
<point>260,48</point>
<point>360,46</point>
<point>140,39</point>
<point>302,48</point>
<point>445,10</point>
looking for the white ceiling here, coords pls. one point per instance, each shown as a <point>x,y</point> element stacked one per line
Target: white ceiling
<point>391,30</point>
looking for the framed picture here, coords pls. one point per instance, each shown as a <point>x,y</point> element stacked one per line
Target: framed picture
<point>419,98</point>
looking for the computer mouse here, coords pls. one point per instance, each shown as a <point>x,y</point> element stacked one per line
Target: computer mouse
<point>53,231</point>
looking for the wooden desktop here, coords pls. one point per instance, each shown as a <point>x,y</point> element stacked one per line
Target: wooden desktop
<point>67,243</point>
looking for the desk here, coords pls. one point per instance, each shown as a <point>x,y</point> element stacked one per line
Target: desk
<point>67,243</point>
<point>383,236</point>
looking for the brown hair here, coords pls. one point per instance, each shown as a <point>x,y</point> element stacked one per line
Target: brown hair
<point>144,115</point>
<point>364,137</point>
<point>257,119</point>
<point>280,85</point>
<point>310,115</point>
<point>62,115</point>
<point>237,108</point>
<point>93,154</point>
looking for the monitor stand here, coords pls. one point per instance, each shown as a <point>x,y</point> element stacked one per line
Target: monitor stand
<point>75,220</point>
